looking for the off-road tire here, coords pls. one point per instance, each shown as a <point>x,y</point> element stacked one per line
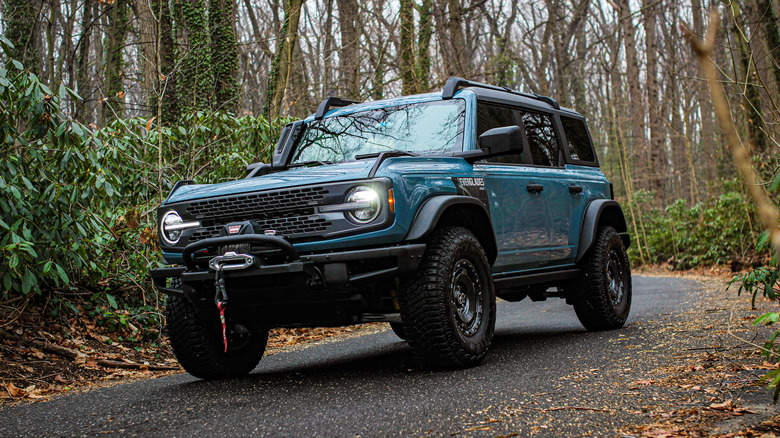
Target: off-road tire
<point>199,347</point>
<point>439,327</point>
<point>398,329</point>
<point>605,301</point>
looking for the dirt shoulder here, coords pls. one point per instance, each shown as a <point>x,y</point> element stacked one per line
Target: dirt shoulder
<point>43,356</point>
<point>710,383</point>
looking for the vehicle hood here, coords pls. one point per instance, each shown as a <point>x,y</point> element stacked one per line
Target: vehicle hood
<point>294,177</point>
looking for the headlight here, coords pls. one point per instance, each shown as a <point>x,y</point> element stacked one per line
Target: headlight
<point>170,232</point>
<point>368,204</point>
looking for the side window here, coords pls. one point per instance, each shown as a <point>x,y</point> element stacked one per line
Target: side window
<point>577,138</point>
<point>494,116</point>
<point>541,137</point>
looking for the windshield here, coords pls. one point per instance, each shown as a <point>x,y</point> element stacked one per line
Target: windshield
<point>419,127</point>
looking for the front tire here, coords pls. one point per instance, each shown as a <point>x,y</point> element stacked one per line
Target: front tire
<point>605,302</point>
<point>449,306</point>
<point>199,347</point>
<point>398,329</point>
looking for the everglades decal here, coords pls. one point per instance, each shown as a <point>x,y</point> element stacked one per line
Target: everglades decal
<point>473,187</point>
<point>470,182</point>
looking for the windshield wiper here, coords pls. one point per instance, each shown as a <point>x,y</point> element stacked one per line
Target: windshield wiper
<point>386,154</point>
<point>311,163</point>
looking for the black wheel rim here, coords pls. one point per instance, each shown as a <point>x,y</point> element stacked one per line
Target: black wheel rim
<point>466,297</point>
<point>616,278</point>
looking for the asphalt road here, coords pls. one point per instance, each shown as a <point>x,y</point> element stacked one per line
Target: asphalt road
<point>544,376</point>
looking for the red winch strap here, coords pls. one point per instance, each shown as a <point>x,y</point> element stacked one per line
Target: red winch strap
<point>221,306</point>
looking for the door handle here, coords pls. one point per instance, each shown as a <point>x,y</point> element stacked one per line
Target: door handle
<point>575,189</point>
<point>534,187</point>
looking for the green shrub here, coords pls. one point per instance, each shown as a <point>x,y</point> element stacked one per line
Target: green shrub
<point>77,207</point>
<point>703,234</point>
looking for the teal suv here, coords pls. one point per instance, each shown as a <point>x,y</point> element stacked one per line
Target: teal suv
<point>418,211</point>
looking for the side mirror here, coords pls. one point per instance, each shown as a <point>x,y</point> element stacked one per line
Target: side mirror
<point>503,141</point>
<point>497,141</point>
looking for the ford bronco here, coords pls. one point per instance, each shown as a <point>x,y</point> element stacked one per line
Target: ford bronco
<point>418,211</point>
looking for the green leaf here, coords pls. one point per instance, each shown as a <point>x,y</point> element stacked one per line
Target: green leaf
<point>62,274</point>
<point>76,128</point>
<point>111,301</point>
<point>776,183</point>
<point>61,129</point>
<point>13,261</point>
<point>15,192</point>
<point>768,318</point>
<point>29,281</point>
<point>72,307</point>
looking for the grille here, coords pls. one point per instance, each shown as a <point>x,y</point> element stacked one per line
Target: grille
<point>287,226</point>
<point>258,202</point>
<point>288,212</point>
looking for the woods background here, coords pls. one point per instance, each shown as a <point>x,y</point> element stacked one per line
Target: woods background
<point>106,103</point>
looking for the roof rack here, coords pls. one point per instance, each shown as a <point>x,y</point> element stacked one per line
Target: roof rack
<point>329,102</point>
<point>455,83</point>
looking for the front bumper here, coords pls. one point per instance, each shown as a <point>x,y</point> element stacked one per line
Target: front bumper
<point>304,289</point>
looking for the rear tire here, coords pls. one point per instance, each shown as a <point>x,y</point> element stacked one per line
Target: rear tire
<point>605,302</point>
<point>449,306</point>
<point>199,347</point>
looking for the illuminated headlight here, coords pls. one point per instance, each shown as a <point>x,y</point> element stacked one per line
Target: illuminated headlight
<point>172,225</point>
<point>368,204</point>
<point>171,219</point>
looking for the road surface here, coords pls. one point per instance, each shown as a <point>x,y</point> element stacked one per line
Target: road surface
<point>544,376</point>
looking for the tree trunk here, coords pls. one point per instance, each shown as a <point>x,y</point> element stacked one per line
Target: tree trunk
<point>459,62</point>
<point>424,45</point>
<point>114,66</point>
<point>708,140</point>
<point>156,38</point>
<point>280,68</point>
<point>407,56</point>
<point>85,108</point>
<point>23,29</point>
<point>636,105</point>
<point>657,153</point>
<point>349,62</point>
<point>99,78</point>
<point>747,80</point>
<point>328,85</point>
<point>224,54</point>
<point>195,80</point>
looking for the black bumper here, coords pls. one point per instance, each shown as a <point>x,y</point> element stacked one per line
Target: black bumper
<point>319,272</point>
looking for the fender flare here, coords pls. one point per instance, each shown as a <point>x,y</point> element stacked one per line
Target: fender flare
<point>613,215</point>
<point>431,211</point>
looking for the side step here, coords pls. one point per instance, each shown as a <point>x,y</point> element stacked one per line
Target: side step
<point>538,278</point>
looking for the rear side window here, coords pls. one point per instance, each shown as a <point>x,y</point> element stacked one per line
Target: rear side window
<point>580,148</point>
<point>541,138</point>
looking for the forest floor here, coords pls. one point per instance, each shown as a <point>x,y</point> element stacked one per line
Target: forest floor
<point>43,357</point>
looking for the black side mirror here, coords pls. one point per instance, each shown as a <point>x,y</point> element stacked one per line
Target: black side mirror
<point>503,141</point>
<point>497,141</point>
